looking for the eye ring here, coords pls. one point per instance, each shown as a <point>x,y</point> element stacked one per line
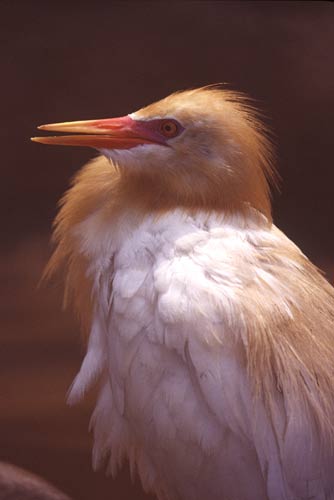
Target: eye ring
<point>169,128</point>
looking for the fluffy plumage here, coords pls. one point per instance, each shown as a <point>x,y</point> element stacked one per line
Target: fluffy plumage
<point>210,333</point>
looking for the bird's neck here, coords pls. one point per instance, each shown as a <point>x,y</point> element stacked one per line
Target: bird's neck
<point>147,193</point>
<point>104,206</point>
<point>112,193</point>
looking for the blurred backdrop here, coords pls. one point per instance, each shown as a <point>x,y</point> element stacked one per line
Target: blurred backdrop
<point>69,60</point>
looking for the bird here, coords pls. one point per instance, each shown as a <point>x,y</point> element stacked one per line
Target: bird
<point>209,333</point>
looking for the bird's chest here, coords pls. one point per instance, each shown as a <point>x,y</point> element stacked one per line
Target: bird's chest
<point>165,296</point>
<point>163,288</point>
<point>138,338</point>
<point>166,278</point>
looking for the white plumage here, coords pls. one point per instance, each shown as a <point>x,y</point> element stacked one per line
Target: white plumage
<point>211,333</point>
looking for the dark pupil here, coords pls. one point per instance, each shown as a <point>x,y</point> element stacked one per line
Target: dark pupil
<point>168,128</point>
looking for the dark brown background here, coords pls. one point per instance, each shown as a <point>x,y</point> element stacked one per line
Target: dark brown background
<point>75,60</point>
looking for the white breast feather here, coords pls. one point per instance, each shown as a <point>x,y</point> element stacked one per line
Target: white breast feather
<point>167,342</point>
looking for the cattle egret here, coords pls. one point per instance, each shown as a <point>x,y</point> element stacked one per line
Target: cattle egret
<point>210,333</point>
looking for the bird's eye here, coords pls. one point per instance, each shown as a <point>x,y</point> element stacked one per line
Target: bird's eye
<point>169,128</point>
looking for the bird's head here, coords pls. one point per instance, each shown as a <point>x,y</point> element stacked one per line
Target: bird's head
<point>202,148</point>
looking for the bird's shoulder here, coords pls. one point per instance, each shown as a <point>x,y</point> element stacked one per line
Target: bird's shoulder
<point>214,267</point>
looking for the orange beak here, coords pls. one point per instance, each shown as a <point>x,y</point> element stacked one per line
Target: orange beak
<point>110,133</point>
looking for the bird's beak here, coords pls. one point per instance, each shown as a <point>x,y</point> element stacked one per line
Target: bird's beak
<point>110,133</point>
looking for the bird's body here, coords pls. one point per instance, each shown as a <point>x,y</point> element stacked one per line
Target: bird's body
<point>210,332</point>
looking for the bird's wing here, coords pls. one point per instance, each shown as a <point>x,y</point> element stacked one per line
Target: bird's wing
<point>253,320</point>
